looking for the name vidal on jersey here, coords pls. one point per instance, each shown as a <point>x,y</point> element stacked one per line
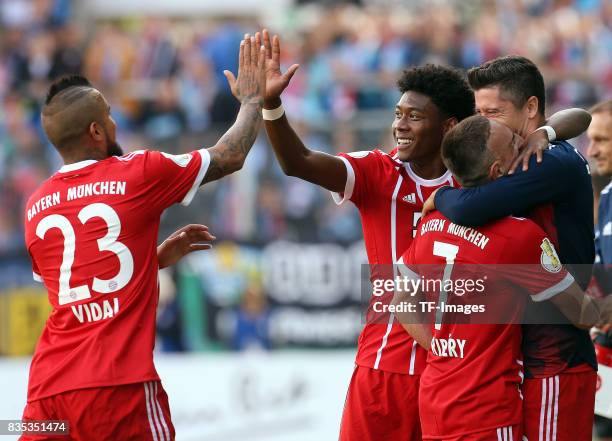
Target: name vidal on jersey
<point>93,312</point>
<point>448,347</point>
<point>80,191</point>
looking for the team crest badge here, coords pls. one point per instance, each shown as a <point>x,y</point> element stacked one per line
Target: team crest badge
<point>549,259</point>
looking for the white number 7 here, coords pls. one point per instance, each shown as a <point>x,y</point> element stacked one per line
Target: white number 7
<point>109,242</point>
<point>449,252</point>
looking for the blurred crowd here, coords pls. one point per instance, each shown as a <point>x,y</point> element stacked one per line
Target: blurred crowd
<point>163,79</point>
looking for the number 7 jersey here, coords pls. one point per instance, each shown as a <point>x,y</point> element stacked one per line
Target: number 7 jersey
<point>91,232</point>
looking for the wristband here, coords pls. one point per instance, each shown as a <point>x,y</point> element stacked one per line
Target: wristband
<point>273,114</point>
<point>552,135</point>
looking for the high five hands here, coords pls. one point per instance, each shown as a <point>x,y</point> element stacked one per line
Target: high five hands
<point>250,85</point>
<point>276,81</point>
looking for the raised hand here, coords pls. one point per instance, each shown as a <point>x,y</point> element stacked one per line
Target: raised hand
<point>534,144</point>
<point>276,81</point>
<point>250,85</point>
<point>182,242</point>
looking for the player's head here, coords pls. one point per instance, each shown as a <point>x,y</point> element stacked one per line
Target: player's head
<point>600,137</point>
<point>434,98</point>
<point>76,117</point>
<point>509,90</point>
<point>479,150</point>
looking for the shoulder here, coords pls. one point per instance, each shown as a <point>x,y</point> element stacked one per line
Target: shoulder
<point>565,152</point>
<point>372,159</point>
<point>517,228</point>
<point>135,155</point>
<point>47,186</point>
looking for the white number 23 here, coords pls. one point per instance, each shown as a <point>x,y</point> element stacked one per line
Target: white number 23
<point>68,294</point>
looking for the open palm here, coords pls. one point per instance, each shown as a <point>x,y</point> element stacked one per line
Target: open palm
<point>276,81</point>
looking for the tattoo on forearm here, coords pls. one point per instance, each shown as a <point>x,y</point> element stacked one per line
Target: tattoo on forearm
<point>233,147</point>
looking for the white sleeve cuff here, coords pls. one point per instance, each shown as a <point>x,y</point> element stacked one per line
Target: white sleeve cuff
<point>554,290</point>
<point>37,277</point>
<point>198,180</point>
<point>340,198</point>
<point>405,271</point>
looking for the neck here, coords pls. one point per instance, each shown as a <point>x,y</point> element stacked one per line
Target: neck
<point>429,168</point>
<point>70,156</point>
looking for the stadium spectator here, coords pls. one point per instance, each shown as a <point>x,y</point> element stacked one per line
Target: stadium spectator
<point>600,149</point>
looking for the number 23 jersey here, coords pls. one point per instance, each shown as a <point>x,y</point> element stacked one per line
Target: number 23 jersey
<point>91,232</point>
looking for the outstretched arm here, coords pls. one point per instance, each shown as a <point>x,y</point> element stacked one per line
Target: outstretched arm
<point>229,154</point>
<point>583,311</point>
<point>567,124</point>
<point>519,193</point>
<point>294,157</point>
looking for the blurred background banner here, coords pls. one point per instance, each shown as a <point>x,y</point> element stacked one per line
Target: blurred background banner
<point>288,396</point>
<point>283,278</point>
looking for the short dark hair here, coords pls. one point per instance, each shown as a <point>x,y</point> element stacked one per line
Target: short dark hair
<point>604,106</point>
<point>465,152</point>
<point>518,79</point>
<point>64,83</point>
<point>445,86</point>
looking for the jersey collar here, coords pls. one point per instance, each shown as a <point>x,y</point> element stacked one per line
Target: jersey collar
<point>76,166</point>
<point>427,182</point>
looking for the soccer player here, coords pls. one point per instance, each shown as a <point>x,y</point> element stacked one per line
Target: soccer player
<point>600,149</point>
<point>560,366</point>
<point>389,190</point>
<point>90,230</point>
<point>470,387</point>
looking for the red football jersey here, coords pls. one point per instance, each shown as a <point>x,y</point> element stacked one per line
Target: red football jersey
<point>389,196</point>
<point>91,231</point>
<point>471,382</point>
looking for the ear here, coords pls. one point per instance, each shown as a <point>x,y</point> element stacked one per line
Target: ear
<point>448,124</point>
<point>495,171</point>
<point>532,106</point>
<point>96,132</point>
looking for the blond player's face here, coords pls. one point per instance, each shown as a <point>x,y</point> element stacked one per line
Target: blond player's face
<point>600,142</point>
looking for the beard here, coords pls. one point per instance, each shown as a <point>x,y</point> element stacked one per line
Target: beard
<point>113,149</point>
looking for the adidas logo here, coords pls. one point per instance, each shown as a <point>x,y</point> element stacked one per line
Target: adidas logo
<point>410,198</point>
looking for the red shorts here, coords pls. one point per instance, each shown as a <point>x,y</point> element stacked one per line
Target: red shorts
<point>508,433</point>
<point>559,408</point>
<point>381,406</point>
<point>137,411</point>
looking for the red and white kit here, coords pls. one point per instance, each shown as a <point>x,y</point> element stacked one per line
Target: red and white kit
<point>470,386</point>
<point>389,196</point>
<point>91,231</point>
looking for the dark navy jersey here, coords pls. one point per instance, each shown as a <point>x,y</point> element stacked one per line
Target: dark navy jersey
<point>603,231</point>
<point>557,194</point>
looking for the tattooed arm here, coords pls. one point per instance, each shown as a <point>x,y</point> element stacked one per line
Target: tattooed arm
<point>228,155</point>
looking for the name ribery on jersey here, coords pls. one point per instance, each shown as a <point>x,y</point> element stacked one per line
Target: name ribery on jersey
<point>80,191</point>
<point>448,347</point>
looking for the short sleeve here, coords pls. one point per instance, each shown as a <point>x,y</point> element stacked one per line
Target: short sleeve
<point>406,264</point>
<point>174,178</point>
<point>533,264</point>
<point>361,168</point>
<point>35,271</point>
